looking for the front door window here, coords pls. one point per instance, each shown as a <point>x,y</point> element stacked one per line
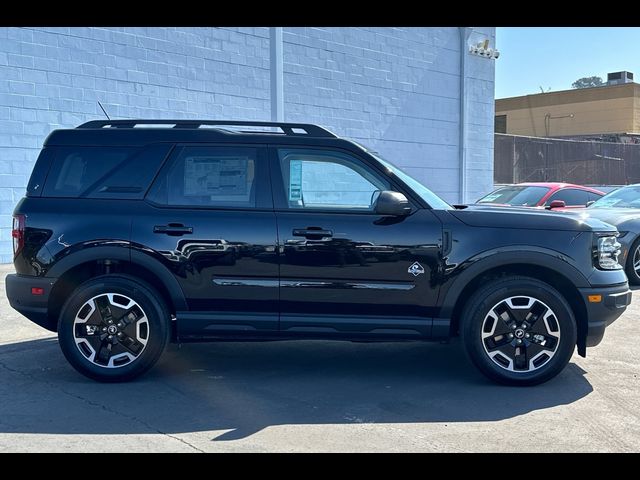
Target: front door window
<point>322,180</point>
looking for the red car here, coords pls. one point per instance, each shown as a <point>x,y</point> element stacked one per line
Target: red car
<point>543,194</point>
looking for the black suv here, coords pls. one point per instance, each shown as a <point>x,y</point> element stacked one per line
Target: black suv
<point>136,233</point>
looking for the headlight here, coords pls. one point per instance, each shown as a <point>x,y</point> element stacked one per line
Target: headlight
<point>606,252</point>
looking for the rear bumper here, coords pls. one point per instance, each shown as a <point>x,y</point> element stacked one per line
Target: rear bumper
<point>34,307</point>
<point>603,313</point>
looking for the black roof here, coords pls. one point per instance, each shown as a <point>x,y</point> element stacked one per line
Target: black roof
<point>142,132</point>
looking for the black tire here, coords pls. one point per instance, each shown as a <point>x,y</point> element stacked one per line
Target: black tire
<point>155,328</point>
<point>483,301</point>
<point>632,275</point>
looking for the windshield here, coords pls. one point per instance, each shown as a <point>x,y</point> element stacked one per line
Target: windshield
<point>625,197</point>
<point>427,195</point>
<point>523,196</point>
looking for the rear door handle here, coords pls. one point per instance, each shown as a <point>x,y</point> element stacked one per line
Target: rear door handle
<point>173,229</point>
<point>312,232</point>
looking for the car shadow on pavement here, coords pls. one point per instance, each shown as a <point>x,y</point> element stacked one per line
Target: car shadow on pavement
<point>237,389</point>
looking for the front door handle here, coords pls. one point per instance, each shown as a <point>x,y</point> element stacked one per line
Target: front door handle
<point>314,233</point>
<point>173,229</point>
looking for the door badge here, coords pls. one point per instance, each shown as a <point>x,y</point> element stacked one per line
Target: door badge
<point>415,269</point>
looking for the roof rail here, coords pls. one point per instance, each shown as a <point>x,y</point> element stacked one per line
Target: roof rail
<point>287,128</point>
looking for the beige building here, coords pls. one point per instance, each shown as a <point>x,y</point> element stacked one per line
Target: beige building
<point>609,109</point>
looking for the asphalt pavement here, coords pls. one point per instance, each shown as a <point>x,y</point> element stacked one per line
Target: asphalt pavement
<point>315,396</point>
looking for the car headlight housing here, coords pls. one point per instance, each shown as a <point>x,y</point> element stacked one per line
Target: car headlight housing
<point>606,252</point>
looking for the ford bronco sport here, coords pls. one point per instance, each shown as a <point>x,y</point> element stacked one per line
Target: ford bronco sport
<point>132,234</point>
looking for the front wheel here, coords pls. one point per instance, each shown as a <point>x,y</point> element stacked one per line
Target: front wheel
<point>632,267</point>
<point>113,328</point>
<point>519,331</point>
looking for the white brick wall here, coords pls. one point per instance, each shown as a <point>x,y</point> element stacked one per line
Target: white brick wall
<point>397,90</point>
<point>394,89</point>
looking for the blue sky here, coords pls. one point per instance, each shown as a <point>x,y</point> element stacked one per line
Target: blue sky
<point>533,57</point>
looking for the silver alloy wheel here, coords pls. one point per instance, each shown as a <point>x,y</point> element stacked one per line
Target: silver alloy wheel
<point>520,334</point>
<point>111,330</point>
<point>636,261</point>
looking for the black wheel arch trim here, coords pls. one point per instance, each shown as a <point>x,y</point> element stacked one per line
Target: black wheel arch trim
<point>129,255</point>
<point>504,257</point>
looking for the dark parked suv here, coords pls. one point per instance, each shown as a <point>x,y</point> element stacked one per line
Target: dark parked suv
<point>133,234</point>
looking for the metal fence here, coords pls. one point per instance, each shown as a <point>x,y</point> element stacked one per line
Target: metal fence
<point>536,159</point>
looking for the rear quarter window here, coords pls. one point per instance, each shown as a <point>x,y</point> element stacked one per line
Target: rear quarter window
<point>103,172</point>
<point>39,172</point>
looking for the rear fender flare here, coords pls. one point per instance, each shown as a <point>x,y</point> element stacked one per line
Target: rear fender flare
<point>127,255</point>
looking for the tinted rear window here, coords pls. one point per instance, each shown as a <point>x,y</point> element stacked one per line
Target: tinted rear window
<point>103,172</point>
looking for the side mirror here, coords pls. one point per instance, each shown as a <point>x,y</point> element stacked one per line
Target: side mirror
<point>590,202</point>
<point>392,203</point>
<point>557,204</point>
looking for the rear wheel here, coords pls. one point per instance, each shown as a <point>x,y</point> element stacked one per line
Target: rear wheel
<point>632,268</point>
<point>113,328</point>
<point>519,331</point>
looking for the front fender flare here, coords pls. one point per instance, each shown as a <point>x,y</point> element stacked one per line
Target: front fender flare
<point>489,260</point>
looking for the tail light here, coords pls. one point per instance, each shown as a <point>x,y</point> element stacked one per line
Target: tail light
<point>18,233</point>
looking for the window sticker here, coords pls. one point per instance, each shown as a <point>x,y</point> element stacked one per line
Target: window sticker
<point>215,176</point>
<point>295,180</point>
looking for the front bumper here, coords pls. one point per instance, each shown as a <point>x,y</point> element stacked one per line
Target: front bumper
<point>34,307</point>
<point>613,303</point>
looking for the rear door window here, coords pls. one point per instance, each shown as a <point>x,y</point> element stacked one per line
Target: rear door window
<point>213,176</point>
<point>570,197</point>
